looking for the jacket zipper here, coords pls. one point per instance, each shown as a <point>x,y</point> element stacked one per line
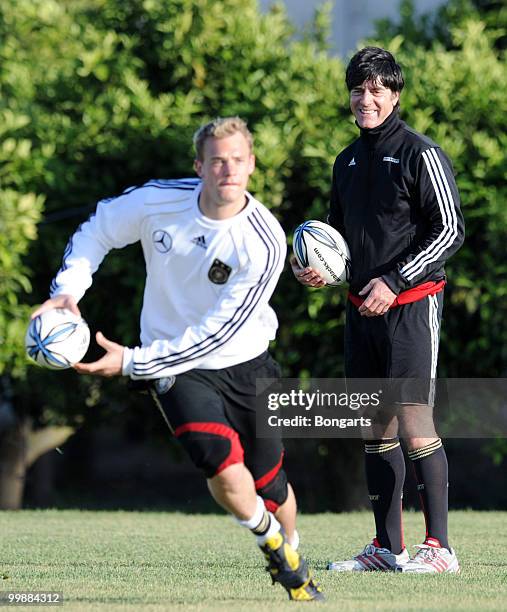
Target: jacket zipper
<point>371,158</point>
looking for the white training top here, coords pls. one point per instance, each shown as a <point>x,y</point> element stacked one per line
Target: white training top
<point>208,282</point>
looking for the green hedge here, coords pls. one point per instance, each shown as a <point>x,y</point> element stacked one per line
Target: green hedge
<point>103,94</point>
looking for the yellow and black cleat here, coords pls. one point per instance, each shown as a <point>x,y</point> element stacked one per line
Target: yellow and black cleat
<point>287,566</point>
<point>309,591</point>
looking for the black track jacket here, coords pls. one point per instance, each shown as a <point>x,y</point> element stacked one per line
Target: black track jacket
<point>395,200</point>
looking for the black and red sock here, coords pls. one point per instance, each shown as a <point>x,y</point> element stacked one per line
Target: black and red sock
<point>385,475</point>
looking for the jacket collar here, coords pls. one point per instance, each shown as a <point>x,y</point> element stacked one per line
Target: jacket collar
<point>372,137</point>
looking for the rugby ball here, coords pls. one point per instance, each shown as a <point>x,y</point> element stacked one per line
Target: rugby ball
<point>57,339</point>
<point>319,246</point>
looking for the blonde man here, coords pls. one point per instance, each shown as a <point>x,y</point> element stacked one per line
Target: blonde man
<point>213,258</point>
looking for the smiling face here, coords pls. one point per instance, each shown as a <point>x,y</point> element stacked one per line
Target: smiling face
<point>225,168</point>
<point>371,103</point>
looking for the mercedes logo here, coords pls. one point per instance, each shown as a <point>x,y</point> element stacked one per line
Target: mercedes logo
<point>162,241</point>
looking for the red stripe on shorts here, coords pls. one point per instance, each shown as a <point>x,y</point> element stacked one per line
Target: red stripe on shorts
<point>268,477</point>
<point>236,453</point>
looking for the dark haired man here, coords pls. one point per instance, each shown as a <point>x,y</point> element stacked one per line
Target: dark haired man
<point>395,200</point>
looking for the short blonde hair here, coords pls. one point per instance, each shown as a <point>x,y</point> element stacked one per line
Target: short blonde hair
<point>220,128</point>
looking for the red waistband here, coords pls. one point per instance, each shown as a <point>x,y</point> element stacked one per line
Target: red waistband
<point>406,297</point>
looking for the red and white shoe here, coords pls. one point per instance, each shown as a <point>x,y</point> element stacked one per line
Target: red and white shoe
<point>373,558</point>
<point>431,559</point>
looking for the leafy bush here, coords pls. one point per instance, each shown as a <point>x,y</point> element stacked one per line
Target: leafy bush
<point>103,94</point>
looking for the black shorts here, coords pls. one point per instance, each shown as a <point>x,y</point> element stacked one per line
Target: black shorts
<point>212,414</point>
<point>402,344</point>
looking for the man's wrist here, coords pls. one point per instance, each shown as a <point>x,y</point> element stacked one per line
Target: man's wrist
<point>391,283</point>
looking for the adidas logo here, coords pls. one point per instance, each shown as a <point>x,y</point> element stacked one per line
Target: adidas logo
<point>352,162</point>
<point>420,487</point>
<point>200,241</point>
<point>393,160</point>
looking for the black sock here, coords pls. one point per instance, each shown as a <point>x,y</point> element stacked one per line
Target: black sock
<point>385,474</point>
<point>430,465</point>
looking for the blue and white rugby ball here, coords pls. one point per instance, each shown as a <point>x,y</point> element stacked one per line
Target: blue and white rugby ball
<point>57,339</point>
<point>319,246</point>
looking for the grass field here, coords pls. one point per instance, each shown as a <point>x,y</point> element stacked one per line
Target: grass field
<point>170,561</point>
